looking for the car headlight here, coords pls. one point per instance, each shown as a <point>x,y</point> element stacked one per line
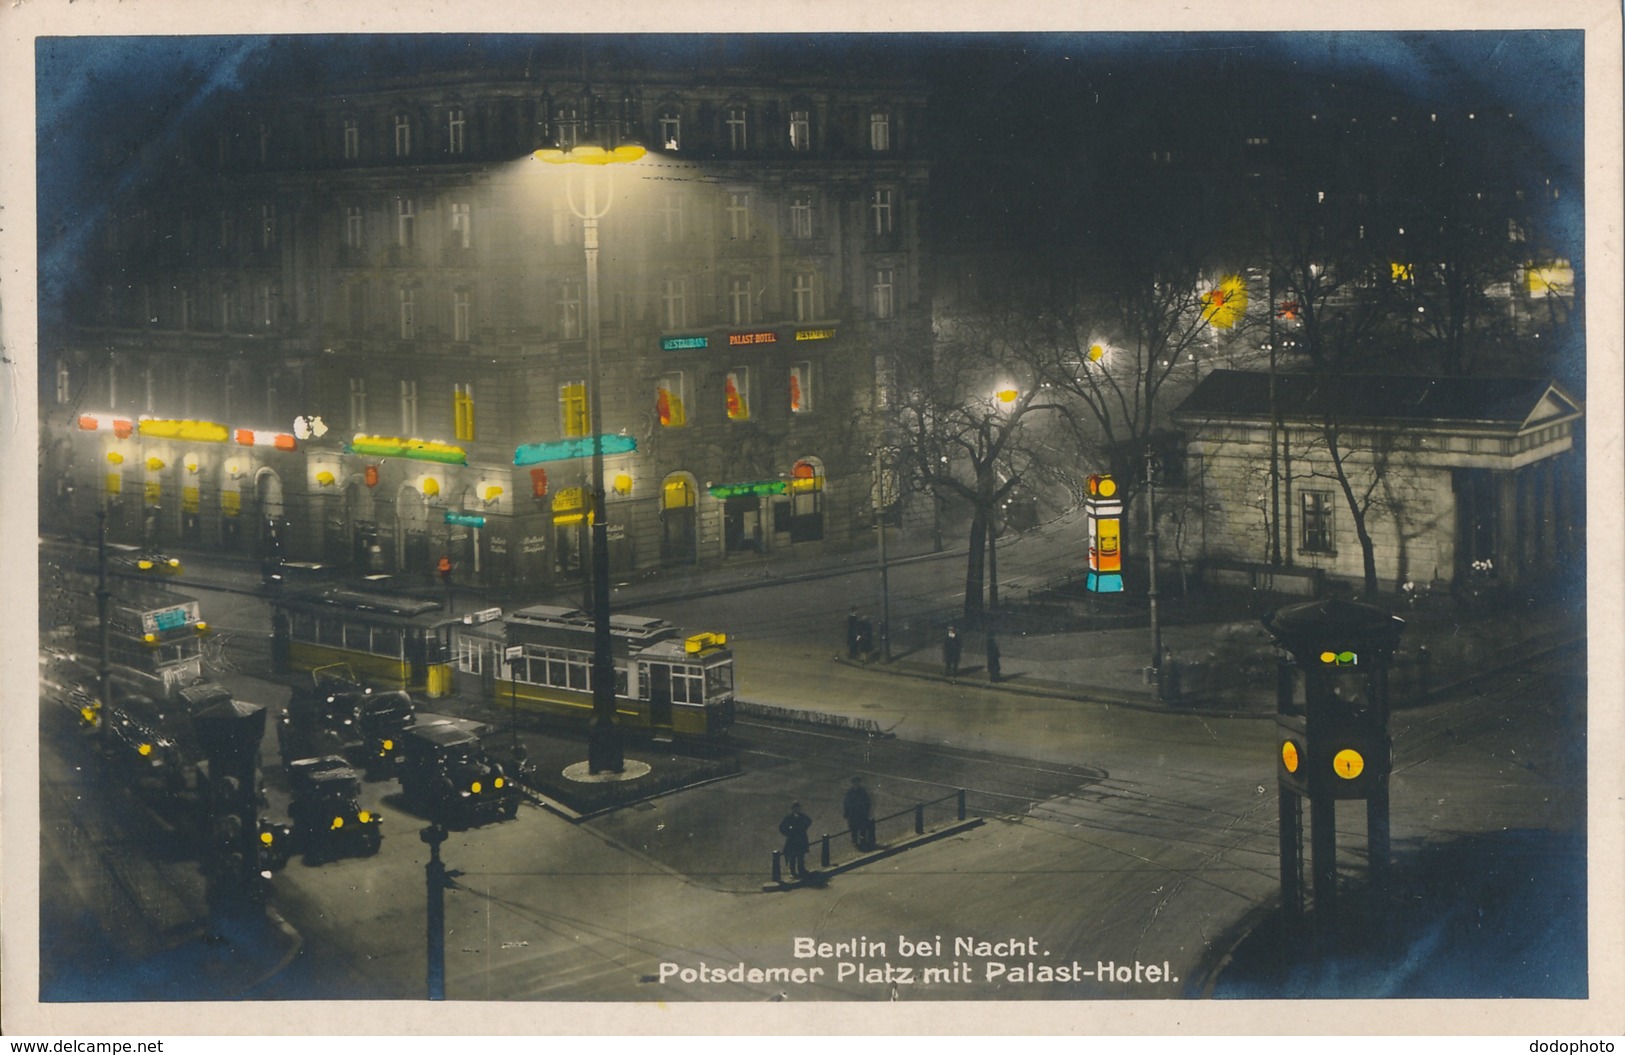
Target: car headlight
<point>144,750</point>
<point>267,838</point>
<point>498,782</point>
<point>462,794</point>
<point>364,817</point>
<point>389,745</point>
<point>338,822</point>
<point>475,787</point>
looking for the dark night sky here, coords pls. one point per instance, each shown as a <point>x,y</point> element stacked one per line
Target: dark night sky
<point>107,106</point>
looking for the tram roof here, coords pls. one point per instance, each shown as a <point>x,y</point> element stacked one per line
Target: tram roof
<point>360,601</point>
<point>550,615</point>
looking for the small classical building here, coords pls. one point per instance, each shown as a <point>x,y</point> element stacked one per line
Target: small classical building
<point>349,322</point>
<point>1449,477</point>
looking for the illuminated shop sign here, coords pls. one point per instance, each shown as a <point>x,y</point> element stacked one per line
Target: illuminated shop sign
<point>754,489</point>
<point>762,337</point>
<point>814,335</point>
<point>192,431</point>
<point>395,447</point>
<point>473,520</point>
<point>680,344</point>
<point>574,447</point>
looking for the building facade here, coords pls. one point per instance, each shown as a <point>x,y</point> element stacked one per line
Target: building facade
<point>1456,479</point>
<point>350,325</point>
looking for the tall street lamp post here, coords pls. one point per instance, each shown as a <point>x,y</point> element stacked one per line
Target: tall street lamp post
<point>604,751</point>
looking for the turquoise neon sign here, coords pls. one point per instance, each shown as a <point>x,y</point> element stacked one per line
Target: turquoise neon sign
<point>574,447</point>
<point>465,519</point>
<point>678,344</point>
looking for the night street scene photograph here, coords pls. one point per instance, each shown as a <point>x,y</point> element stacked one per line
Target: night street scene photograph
<point>643,521</point>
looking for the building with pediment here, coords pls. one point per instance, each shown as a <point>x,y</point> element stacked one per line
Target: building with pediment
<point>1455,478</point>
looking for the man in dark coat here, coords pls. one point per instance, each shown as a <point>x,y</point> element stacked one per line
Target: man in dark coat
<point>855,807</point>
<point>992,658</point>
<point>950,651</point>
<point>794,829</point>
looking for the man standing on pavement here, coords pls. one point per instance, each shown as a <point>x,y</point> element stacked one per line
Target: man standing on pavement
<point>950,651</point>
<point>992,657</point>
<point>856,808</point>
<point>794,829</point>
<point>852,634</point>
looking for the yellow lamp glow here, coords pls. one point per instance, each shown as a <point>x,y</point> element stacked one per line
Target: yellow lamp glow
<point>1007,395</point>
<point>623,483</point>
<point>115,457</point>
<point>1096,352</point>
<point>325,478</point>
<point>431,486</point>
<point>155,463</point>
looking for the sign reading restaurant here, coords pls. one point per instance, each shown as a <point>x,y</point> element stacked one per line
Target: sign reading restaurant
<point>679,344</point>
<point>814,335</point>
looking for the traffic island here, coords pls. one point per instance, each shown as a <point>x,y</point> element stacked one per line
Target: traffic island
<point>560,780</point>
<point>820,876</point>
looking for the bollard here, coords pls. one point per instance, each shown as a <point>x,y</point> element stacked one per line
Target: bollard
<point>823,853</point>
<point>961,803</point>
<point>919,819</point>
<point>778,876</point>
<point>869,834</point>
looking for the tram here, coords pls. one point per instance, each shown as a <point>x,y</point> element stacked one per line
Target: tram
<point>389,641</point>
<point>666,682</point>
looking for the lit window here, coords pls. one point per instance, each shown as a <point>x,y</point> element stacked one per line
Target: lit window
<point>671,130</point>
<point>406,222</point>
<point>738,211</point>
<point>801,216</point>
<point>736,389</point>
<point>1317,522</point>
<point>739,301</point>
<point>358,404</point>
<point>880,211</point>
<point>462,224</point>
<point>669,401</point>
<point>569,307</point>
<point>456,125</point>
<point>409,408</point>
<point>800,388</point>
<point>800,130</point>
<point>882,298</point>
<point>354,225</point>
<point>409,313</point>
<point>461,312</point>
<point>802,296</point>
<point>352,139</point>
<point>462,410</point>
<point>879,130</point>
<point>737,127</point>
<point>573,408</point>
<point>674,302</point>
<point>403,136</point>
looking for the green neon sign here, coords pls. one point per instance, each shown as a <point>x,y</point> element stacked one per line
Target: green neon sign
<point>465,519</point>
<point>678,344</point>
<point>574,447</point>
<point>755,488</point>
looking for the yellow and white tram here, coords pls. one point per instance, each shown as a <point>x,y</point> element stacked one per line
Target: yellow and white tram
<point>666,681</point>
<point>390,641</point>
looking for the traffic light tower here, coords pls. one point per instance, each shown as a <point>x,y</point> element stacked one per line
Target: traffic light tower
<point>1332,743</point>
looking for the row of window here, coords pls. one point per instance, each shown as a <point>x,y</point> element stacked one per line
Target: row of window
<point>740,131</point>
<point>735,397</point>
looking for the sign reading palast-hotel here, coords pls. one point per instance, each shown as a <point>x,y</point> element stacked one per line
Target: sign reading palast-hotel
<point>760,337</point>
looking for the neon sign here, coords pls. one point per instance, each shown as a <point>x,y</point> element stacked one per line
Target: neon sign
<point>762,337</point>
<point>574,447</point>
<point>678,344</point>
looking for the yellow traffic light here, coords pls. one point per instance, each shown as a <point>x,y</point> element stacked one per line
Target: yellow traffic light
<point>1289,756</point>
<point>1339,659</point>
<point>1348,763</point>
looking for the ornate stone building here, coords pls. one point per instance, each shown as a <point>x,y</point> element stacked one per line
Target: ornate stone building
<point>348,323</point>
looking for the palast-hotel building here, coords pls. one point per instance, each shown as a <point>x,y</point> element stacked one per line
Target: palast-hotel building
<point>351,325</point>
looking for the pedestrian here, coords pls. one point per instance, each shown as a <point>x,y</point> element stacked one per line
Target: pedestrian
<point>992,657</point>
<point>853,633</point>
<point>794,829</point>
<point>856,807</point>
<point>950,651</point>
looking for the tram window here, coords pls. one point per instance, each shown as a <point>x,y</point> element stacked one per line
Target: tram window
<point>357,638</point>
<point>719,681</point>
<point>303,626</point>
<point>386,641</point>
<point>687,685</point>
<point>578,674</point>
<point>329,631</point>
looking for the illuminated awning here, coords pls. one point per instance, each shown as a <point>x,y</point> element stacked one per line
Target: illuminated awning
<point>396,447</point>
<point>574,447</point>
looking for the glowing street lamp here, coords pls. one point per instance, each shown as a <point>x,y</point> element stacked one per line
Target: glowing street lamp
<point>604,753</point>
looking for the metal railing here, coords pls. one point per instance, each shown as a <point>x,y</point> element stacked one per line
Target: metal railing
<point>881,833</point>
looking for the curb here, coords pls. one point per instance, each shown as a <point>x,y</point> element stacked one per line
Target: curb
<point>296,945</point>
<point>817,878</point>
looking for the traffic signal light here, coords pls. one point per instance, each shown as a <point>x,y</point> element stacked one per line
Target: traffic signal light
<point>1349,759</point>
<point>1292,752</point>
